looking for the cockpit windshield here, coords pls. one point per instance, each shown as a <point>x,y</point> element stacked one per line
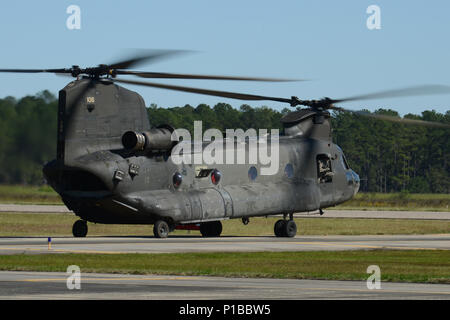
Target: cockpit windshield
<point>343,159</point>
<point>344,162</point>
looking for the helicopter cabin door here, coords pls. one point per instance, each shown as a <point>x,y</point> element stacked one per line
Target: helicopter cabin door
<point>325,179</point>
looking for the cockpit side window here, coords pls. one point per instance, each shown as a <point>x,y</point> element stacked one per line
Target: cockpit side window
<point>324,170</point>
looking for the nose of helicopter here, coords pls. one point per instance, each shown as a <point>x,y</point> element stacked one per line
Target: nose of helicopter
<point>356,182</point>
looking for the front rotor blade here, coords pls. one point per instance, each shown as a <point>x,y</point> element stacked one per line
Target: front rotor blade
<point>224,94</point>
<point>164,75</point>
<point>392,118</point>
<point>404,92</point>
<point>146,56</point>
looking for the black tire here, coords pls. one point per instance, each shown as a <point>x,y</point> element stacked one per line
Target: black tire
<point>211,229</point>
<point>80,229</point>
<point>290,229</point>
<point>161,229</point>
<point>279,228</point>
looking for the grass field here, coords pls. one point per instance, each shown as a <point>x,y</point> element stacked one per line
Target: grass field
<point>395,265</point>
<point>29,224</point>
<point>398,201</point>
<point>28,195</point>
<point>362,201</point>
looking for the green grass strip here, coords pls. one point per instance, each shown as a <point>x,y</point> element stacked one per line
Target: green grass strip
<point>52,225</point>
<point>426,266</point>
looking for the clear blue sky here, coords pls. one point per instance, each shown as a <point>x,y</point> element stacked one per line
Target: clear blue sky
<point>326,41</point>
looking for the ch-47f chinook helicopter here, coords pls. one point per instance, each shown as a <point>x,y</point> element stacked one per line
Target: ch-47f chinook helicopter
<point>111,167</point>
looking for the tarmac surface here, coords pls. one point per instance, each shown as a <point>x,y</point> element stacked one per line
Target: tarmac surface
<point>173,244</point>
<point>45,285</point>
<point>53,285</point>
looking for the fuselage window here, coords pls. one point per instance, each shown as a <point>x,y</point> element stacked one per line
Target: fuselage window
<point>324,170</point>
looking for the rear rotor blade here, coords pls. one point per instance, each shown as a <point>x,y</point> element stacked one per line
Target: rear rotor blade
<point>164,75</point>
<point>216,93</point>
<point>145,56</point>
<point>36,70</point>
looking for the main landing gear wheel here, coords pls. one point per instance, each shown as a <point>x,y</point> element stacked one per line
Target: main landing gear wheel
<point>161,229</point>
<point>290,229</point>
<point>285,228</point>
<point>211,229</point>
<point>278,228</point>
<point>80,229</point>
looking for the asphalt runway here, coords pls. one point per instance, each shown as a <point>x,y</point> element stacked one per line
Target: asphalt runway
<point>46,285</point>
<point>131,244</point>
<point>370,214</point>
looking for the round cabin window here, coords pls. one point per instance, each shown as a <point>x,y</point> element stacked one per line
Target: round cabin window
<point>289,170</point>
<point>216,176</point>
<point>252,173</point>
<point>177,179</point>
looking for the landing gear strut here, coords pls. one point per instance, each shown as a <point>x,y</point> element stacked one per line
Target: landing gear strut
<point>285,228</point>
<point>80,229</point>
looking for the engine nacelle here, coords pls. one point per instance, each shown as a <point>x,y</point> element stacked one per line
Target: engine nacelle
<point>157,139</point>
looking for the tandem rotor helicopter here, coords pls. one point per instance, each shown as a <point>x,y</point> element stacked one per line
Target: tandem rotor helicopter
<point>112,167</point>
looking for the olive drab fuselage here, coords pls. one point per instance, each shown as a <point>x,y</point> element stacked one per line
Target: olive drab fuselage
<point>103,182</point>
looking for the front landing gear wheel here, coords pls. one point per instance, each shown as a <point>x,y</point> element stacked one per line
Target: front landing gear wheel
<point>211,229</point>
<point>161,229</point>
<point>80,229</point>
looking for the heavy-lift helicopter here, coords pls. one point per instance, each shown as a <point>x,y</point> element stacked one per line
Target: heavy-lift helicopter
<point>112,167</point>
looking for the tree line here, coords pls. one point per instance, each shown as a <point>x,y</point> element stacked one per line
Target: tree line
<point>388,156</point>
